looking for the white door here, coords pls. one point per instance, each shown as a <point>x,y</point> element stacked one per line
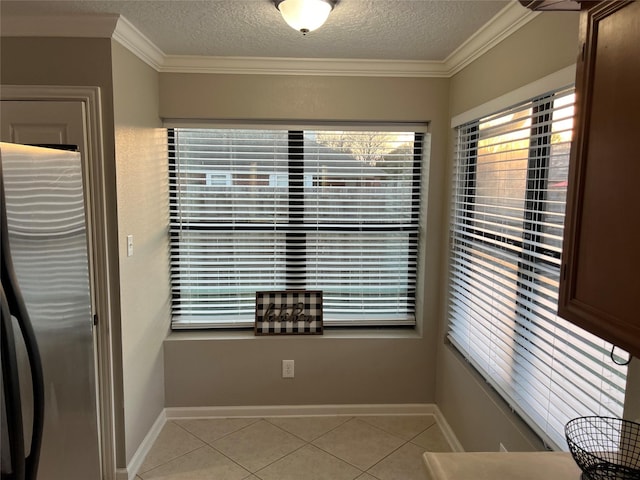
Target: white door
<point>70,447</point>
<point>43,122</point>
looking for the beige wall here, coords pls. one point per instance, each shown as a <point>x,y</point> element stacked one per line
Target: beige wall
<point>632,393</point>
<point>79,62</point>
<point>373,367</point>
<point>131,138</point>
<point>209,369</point>
<point>545,45</point>
<point>143,211</point>
<point>291,97</point>
<point>244,370</point>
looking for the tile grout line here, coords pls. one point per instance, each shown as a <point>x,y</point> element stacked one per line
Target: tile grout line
<point>349,463</point>
<point>278,459</point>
<point>171,460</point>
<point>257,419</point>
<point>362,419</point>
<point>316,438</point>
<point>178,456</point>
<point>423,431</point>
<point>305,443</point>
<point>406,442</point>
<point>384,458</point>
<point>340,459</point>
<point>207,444</point>
<point>393,433</point>
<point>310,443</point>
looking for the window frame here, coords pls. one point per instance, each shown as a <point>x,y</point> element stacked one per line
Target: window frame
<point>537,162</point>
<point>295,229</point>
<point>529,251</point>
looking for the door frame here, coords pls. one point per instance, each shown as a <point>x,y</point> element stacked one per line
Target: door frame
<point>103,294</point>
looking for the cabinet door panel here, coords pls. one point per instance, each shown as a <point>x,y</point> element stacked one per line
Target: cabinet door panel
<point>601,280</point>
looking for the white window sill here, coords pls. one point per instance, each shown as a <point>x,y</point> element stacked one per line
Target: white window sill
<point>338,333</point>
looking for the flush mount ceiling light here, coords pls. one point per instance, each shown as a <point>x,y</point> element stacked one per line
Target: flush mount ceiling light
<point>305,15</point>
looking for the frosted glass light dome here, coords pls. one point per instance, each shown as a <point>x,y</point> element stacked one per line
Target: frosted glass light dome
<point>305,15</point>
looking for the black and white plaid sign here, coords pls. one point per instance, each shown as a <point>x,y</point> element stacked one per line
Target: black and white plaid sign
<point>288,312</point>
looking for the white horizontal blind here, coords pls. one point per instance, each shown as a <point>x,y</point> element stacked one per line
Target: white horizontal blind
<point>275,209</point>
<point>509,192</point>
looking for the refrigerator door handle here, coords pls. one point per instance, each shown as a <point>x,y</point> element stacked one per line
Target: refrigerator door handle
<point>18,309</point>
<point>11,391</point>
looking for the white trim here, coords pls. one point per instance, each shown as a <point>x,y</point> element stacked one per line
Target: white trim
<point>554,81</point>
<point>123,474</point>
<point>503,24</point>
<point>304,66</point>
<point>507,21</point>
<point>422,127</point>
<point>177,413</point>
<point>174,413</point>
<point>127,35</point>
<point>97,218</point>
<point>447,431</point>
<point>137,460</point>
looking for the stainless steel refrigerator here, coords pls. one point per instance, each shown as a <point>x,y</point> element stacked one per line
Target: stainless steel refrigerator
<point>49,423</point>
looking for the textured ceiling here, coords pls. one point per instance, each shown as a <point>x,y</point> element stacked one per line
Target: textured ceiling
<point>358,29</point>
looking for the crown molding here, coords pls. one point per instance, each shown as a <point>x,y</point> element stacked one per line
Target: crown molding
<point>303,66</point>
<point>504,23</point>
<point>127,35</point>
<point>507,21</point>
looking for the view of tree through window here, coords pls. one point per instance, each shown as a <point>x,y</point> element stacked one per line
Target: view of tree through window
<point>256,210</point>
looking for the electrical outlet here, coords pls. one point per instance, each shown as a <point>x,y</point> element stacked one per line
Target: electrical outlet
<point>288,368</point>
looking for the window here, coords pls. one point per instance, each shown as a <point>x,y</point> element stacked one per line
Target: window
<point>336,211</point>
<point>509,192</point>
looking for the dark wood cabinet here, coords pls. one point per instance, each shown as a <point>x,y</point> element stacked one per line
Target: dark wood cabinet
<point>600,281</point>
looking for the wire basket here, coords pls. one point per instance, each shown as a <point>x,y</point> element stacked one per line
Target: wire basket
<point>605,448</point>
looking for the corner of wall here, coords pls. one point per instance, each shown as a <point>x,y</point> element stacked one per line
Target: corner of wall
<point>142,213</point>
<point>545,45</point>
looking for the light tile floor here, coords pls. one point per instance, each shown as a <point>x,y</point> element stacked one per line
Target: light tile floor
<point>294,448</point>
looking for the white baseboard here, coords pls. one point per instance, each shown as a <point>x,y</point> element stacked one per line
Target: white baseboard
<point>447,431</point>
<point>122,474</point>
<point>174,413</point>
<point>300,410</point>
<point>319,410</point>
<point>136,461</point>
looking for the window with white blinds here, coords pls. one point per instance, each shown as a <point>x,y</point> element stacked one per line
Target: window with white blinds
<point>510,182</point>
<point>252,210</point>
